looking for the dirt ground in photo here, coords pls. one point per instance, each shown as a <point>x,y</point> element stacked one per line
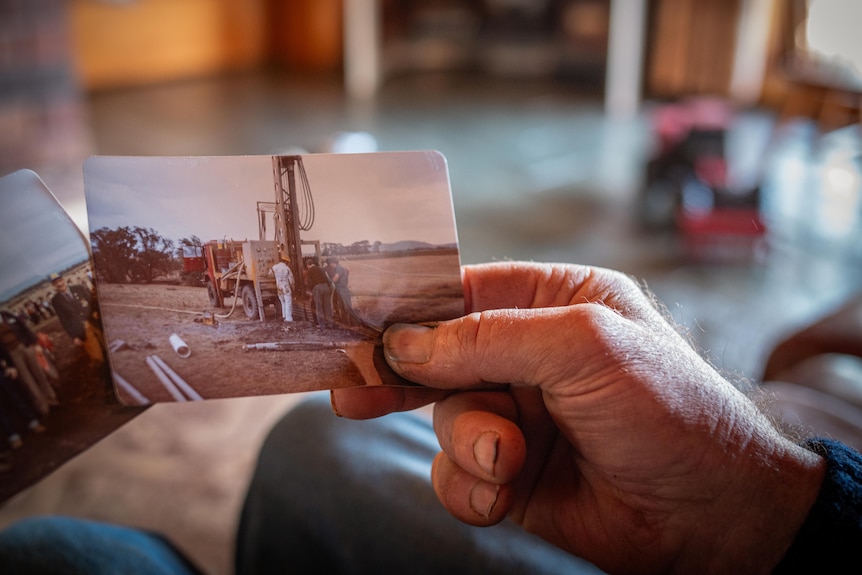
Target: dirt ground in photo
<point>140,320</point>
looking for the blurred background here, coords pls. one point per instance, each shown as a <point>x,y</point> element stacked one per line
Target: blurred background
<point>708,147</point>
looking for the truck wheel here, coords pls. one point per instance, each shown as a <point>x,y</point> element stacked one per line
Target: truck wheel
<point>249,301</point>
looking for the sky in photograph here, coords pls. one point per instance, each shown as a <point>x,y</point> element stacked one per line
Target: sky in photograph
<point>384,196</point>
<point>37,237</point>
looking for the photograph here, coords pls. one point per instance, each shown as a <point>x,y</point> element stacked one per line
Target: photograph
<point>255,275</point>
<point>56,393</point>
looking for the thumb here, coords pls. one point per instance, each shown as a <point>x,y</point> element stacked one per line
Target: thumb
<point>536,347</point>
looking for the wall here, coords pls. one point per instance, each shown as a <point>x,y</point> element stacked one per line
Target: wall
<point>691,47</point>
<point>306,34</point>
<point>136,42</point>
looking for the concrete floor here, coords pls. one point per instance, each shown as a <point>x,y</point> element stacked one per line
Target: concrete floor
<point>537,173</point>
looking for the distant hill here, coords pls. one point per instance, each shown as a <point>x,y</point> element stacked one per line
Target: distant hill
<point>412,245</point>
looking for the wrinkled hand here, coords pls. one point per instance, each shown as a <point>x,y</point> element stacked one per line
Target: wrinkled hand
<point>566,401</point>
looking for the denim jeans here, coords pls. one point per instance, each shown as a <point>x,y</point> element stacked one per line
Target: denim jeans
<point>53,545</point>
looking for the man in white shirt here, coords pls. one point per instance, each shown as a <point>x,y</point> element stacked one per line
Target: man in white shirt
<point>284,283</point>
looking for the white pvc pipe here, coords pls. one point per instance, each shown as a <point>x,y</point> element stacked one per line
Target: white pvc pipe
<point>180,346</point>
<point>139,397</point>
<point>178,381</point>
<point>165,380</point>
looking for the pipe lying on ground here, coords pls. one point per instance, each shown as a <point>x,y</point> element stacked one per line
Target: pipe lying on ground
<point>139,397</point>
<point>298,345</point>
<point>360,353</point>
<point>180,347</point>
<point>181,384</point>
<point>165,380</point>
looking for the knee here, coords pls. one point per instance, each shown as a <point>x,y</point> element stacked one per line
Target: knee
<point>76,546</point>
<point>301,435</point>
<point>312,447</point>
<point>35,535</point>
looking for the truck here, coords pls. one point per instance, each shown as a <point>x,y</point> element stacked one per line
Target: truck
<point>241,269</point>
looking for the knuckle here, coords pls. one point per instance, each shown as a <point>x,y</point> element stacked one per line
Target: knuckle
<point>477,332</point>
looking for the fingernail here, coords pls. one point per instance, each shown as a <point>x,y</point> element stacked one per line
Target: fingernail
<point>483,497</point>
<point>485,451</point>
<point>408,343</point>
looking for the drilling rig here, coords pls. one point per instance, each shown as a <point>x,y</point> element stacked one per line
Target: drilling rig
<point>240,269</point>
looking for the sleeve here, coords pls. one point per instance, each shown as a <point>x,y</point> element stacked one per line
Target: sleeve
<point>831,536</point>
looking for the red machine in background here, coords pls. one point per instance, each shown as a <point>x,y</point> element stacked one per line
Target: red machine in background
<point>687,186</point>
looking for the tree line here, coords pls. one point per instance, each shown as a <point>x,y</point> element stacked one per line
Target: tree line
<point>134,254</point>
<point>361,247</point>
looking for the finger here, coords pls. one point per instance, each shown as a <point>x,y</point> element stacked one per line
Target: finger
<point>515,285</point>
<point>370,402</point>
<point>521,285</point>
<point>469,499</point>
<point>478,431</point>
<point>512,346</point>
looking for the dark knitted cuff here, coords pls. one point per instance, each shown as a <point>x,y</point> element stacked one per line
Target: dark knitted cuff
<point>830,538</point>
